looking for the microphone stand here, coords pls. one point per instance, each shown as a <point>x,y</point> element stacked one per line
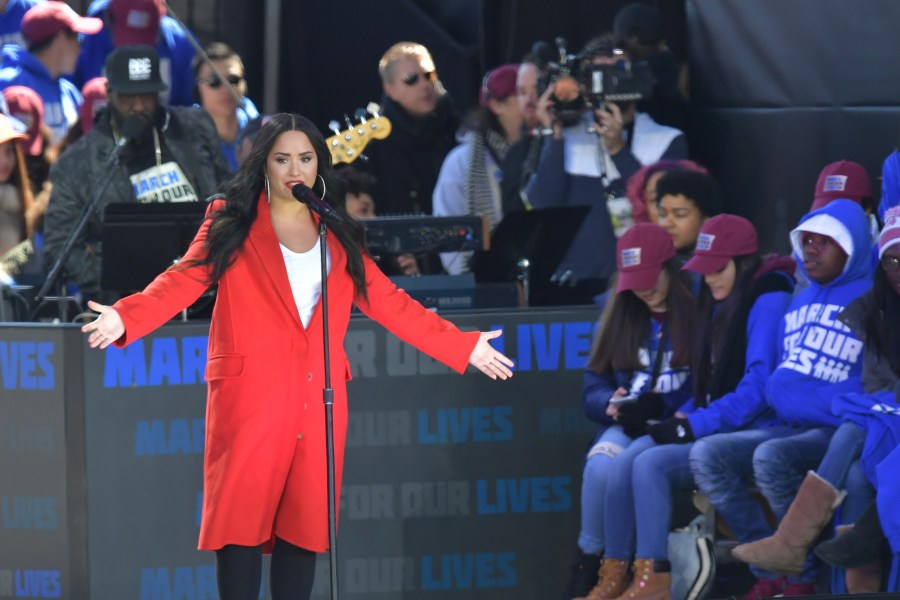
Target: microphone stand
<point>83,218</point>
<point>328,399</point>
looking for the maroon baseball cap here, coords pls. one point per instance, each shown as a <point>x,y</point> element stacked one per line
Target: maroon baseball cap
<point>135,21</point>
<point>26,106</point>
<point>722,238</point>
<point>499,83</point>
<point>842,179</point>
<point>43,21</point>
<point>641,253</point>
<point>94,93</point>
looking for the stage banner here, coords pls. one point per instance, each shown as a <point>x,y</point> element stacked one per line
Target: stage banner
<point>42,536</point>
<point>455,486</point>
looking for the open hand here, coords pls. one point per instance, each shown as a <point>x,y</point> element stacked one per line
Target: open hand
<point>490,362</point>
<point>106,328</point>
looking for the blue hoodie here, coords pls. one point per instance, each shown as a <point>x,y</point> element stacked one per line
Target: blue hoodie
<point>890,183</point>
<point>673,383</point>
<point>821,357</point>
<point>175,55</point>
<point>61,98</point>
<point>746,406</point>
<point>11,21</point>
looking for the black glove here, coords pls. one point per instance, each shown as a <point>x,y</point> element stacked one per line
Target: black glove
<point>633,416</point>
<point>672,431</point>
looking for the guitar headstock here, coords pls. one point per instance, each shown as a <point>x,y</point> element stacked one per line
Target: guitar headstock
<point>347,145</point>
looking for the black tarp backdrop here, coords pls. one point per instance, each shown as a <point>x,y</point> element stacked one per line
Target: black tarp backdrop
<point>330,50</point>
<point>780,89</point>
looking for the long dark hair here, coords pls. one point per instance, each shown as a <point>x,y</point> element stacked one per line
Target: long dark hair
<point>626,325</point>
<point>714,329</point>
<point>882,321</point>
<point>231,225</point>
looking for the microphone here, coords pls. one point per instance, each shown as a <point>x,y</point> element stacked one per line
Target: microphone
<point>132,128</point>
<point>305,195</point>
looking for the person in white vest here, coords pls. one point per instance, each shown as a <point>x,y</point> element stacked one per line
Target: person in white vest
<point>587,163</point>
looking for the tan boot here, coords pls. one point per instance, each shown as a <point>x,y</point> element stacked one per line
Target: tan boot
<point>651,581</point>
<point>613,580</point>
<point>785,550</point>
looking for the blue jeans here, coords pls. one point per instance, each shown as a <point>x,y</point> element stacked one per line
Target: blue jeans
<point>620,515</point>
<point>658,473</point>
<point>604,453</point>
<point>843,450</point>
<point>722,466</point>
<point>780,465</point>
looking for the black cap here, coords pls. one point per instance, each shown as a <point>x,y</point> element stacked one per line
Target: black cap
<point>641,21</point>
<point>134,70</point>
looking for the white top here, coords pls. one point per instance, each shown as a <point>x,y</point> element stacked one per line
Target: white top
<point>305,274</point>
<point>449,198</point>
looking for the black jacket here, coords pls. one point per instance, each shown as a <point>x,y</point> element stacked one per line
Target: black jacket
<point>407,162</point>
<point>191,141</point>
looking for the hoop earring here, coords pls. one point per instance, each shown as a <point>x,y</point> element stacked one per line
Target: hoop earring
<point>268,195</point>
<point>324,189</point>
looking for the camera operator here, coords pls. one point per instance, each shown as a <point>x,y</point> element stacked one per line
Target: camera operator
<point>589,154</point>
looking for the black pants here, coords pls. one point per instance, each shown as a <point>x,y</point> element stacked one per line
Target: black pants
<point>239,572</point>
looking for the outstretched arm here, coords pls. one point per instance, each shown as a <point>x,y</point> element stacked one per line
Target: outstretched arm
<point>490,362</point>
<point>106,328</point>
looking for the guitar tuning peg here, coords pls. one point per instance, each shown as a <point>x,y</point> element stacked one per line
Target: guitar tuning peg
<point>373,109</point>
<point>347,121</point>
<point>333,125</point>
<point>361,115</point>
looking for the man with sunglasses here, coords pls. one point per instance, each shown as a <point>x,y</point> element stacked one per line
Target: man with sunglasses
<point>175,157</point>
<point>51,33</point>
<point>214,96</point>
<point>424,124</point>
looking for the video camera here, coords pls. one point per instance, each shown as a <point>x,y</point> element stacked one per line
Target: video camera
<point>598,74</point>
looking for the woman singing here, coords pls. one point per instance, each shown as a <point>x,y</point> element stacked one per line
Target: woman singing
<point>264,467</point>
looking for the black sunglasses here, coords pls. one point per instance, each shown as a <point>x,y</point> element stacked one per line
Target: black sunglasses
<point>213,81</point>
<point>411,79</point>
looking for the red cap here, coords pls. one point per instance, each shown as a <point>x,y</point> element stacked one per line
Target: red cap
<point>499,83</point>
<point>842,179</point>
<point>640,254</point>
<point>135,21</point>
<point>94,92</point>
<point>722,238</point>
<point>26,106</point>
<point>43,21</point>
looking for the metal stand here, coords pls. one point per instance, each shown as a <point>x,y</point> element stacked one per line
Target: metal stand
<point>83,218</point>
<point>328,399</point>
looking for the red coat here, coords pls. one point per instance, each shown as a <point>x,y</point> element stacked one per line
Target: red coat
<point>264,467</point>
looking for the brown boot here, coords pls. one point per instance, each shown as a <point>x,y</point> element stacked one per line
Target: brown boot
<point>613,580</point>
<point>785,550</point>
<point>652,580</point>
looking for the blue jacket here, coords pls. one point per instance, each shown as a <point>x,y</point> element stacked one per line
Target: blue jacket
<point>821,357</point>
<point>11,21</point>
<point>673,383</point>
<point>245,113</point>
<point>746,406</point>
<point>61,98</point>
<point>890,183</point>
<point>175,55</point>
